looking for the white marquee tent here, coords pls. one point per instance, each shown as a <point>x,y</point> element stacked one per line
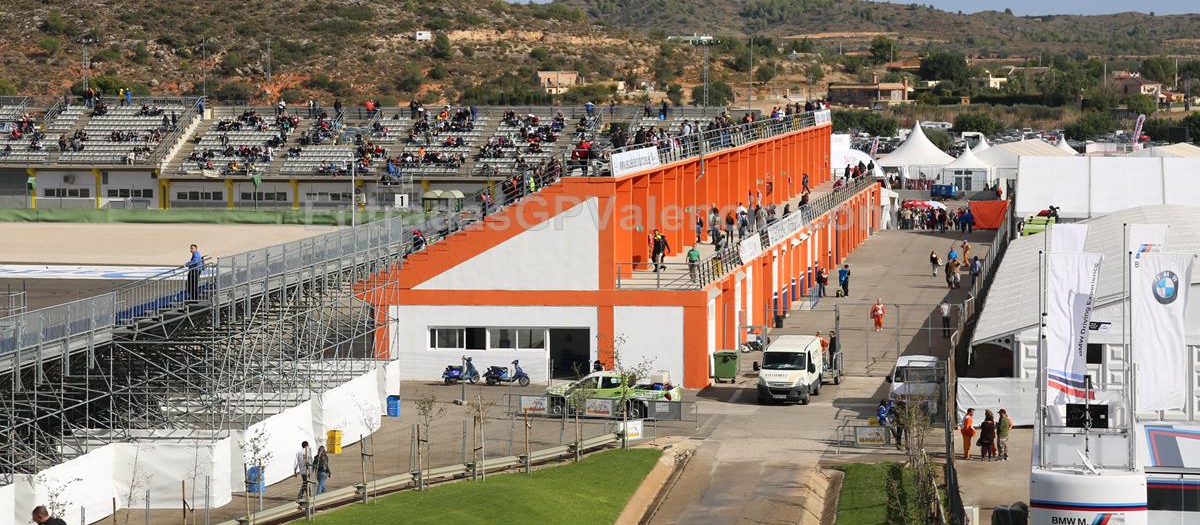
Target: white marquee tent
<point>916,155</point>
<point>968,172</point>
<point>1084,187</point>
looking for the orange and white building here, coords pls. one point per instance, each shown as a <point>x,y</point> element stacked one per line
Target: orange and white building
<point>562,277</point>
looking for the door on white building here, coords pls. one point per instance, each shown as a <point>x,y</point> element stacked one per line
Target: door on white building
<point>570,352</point>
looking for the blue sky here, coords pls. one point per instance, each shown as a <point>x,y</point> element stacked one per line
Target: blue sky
<point>1064,7</point>
<point>1043,7</point>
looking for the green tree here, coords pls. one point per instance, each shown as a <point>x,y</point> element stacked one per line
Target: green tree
<point>438,72</point>
<point>719,94</point>
<point>231,62</point>
<point>1191,122</point>
<point>941,65</point>
<point>1159,69</point>
<point>441,47</point>
<point>814,72</point>
<point>1141,104</point>
<point>765,72</point>
<point>539,53</point>
<point>803,45</point>
<point>939,138</point>
<point>7,88</point>
<point>50,45</point>
<point>979,122</point>
<point>675,94</point>
<point>236,91</point>
<point>882,49</point>
<point>1091,125</point>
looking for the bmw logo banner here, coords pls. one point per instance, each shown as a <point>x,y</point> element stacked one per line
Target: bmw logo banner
<point>1158,297</point>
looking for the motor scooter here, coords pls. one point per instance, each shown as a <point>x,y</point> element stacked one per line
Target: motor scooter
<point>499,374</point>
<point>455,373</point>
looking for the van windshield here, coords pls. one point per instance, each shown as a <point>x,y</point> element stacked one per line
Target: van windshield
<point>783,361</point>
<point>915,374</point>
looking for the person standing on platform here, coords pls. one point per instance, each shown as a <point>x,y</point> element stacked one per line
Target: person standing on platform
<point>844,280</point>
<point>194,266</point>
<point>1003,427</point>
<point>878,312</point>
<point>944,308</point>
<point>967,429</point>
<point>693,261</point>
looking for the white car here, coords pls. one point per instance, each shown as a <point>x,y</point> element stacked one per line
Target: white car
<point>790,370</point>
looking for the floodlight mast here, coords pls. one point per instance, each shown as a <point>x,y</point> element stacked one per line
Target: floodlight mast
<point>704,41</point>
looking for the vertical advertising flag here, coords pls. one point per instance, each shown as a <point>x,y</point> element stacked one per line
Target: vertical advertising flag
<point>1137,131</point>
<point>1158,298</point>
<point>1068,238</point>
<point>1070,295</point>
<point>1146,238</point>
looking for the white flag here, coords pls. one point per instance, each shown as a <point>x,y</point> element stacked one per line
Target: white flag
<point>1146,238</point>
<point>1068,238</point>
<point>1158,298</point>
<point>1070,293</point>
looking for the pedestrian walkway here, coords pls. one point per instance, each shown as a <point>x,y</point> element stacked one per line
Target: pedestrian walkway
<point>755,462</point>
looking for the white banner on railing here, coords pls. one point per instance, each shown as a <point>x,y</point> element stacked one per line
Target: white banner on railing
<point>822,117</point>
<point>750,247</point>
<point>1158,298</point>
<point>633,161</point>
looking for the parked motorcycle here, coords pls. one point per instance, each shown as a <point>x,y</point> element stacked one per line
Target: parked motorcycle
<point>499,374</point>
<point>455,373</point>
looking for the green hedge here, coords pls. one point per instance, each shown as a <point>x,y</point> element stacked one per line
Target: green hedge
<point>321,217</point>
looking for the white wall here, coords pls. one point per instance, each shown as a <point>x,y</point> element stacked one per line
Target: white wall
<point>561,253</point>
<point>282,434</point>
<point>86,483</point>
<point>653,334</point>
<point>354,408</point>
<point>410,336</point>
<point>158,466</point>
<point>1093,186</point>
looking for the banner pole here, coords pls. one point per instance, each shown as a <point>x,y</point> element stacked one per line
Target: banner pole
<point>1040,422</point>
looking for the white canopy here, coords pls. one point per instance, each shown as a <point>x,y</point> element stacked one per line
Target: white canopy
<point>917,150</point>
<point>968,161</point>
<point>1007,155</point>
<point>1180,150</point>
<point>1066,148</point>
<point>983,145</point>
<point>851,157</point>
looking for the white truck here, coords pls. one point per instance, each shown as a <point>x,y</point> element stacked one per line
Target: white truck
<point>790,370</point>
<point>916,378</point>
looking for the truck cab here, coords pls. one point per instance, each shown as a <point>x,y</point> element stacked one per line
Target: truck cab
<point>790,370</point>
<point>915,377</point>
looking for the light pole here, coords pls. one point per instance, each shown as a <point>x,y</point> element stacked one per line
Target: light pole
<point>204,71</point>
<point>268,60</point>
<point>87,64</point>
<point>704,41</point>
<point>750,76</point>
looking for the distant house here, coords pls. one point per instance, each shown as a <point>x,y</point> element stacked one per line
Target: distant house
<point>1133,84</point>
<point>557,82</point>
<point>423,36</point>
<point>1168,97</point>
<point>989,81</point>
<point>907,64</point>
<point>869,95</point>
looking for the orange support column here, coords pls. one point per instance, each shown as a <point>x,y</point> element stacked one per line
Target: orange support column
<point>622,242</point>
<point>638,236</point>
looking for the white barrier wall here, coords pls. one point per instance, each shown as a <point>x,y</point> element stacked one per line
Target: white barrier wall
<point>7,507</point>
<point>653,334</point>
<point>1016,396</point>
<point>354,408</point>
<point>1085,187</point>
<point>278,439</point>
<point>159,466</point>
<point>84,483</point>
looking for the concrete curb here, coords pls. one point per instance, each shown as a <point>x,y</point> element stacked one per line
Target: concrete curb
<point>648,495</point>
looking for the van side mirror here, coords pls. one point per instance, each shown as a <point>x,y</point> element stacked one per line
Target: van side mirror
<point>812,367</point>
<point>888,378</point>
<point>756,367</point>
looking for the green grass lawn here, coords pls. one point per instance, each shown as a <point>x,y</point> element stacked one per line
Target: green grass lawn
<point>593,491</point>
<point>866,491</point>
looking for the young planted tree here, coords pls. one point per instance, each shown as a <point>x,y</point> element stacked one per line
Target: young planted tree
<point>56,501</point>
<point>478,412</point>
<point>257,454</point>
<point>632,372</point>
<point>428,410</point>
<point>577,399</point>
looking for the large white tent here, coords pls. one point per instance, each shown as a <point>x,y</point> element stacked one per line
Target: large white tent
<point>1004,158</point>
<point>1066,148</point>
<point>968,172</point>
<point>916,154</point>
<point>1181,150</point>
<point>981,146</point>
<point>1083,187</point>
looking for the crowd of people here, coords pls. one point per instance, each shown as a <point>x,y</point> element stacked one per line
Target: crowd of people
<point>930,218</point>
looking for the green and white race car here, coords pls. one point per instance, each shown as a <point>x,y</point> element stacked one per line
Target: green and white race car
<point>611,385</point>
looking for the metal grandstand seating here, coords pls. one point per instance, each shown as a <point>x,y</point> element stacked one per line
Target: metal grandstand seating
<point>311,157</point>
<point>125,119</point>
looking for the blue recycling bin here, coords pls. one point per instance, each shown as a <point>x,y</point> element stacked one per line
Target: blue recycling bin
<point>393,406</point>
<point>254,480</point>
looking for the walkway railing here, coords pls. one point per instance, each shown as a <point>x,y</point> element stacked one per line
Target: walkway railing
<point>725,260</point>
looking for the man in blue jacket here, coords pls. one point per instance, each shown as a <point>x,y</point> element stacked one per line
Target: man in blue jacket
<point>194,266</point>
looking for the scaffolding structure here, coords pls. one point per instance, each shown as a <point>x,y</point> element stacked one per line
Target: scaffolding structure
<point>250,336</point>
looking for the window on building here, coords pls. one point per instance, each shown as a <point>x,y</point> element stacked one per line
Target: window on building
<point>502,338</point>
<point>1095,354</point>
<point>476,338</point>
<point>446,338</point>
<point>531,338</point>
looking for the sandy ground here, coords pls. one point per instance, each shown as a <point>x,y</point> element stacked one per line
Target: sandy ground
<point>137,244</point>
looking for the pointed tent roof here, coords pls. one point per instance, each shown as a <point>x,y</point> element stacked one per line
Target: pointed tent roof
<point>917,150</point>
<point>1066,148</point>
<point>1007,155</point>
<point>982,146</point>
<point>968,161</point>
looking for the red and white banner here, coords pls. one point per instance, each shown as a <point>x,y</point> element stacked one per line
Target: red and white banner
<point>1158,300</point>
<point>1070,295</point>
<point>1137,132</point>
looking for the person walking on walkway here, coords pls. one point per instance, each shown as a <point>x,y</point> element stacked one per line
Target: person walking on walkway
<point>194,265</point>
<point>844,280</point>
<point>945,310</point>
<point>693,260</point>
<point>714,224</point>
<point>934,261</point>
<point>878,312</point>
<point>967,428</point>
<point>804,183</point>
<point>822,281</point>
<point>965,247</point>
<point>987,436</point>
<point>658,249</point>
<point>976,269</point>
<point>300,468</point>
<point>1003,427</point>
<point>699,228</point>
<point>321,466</point>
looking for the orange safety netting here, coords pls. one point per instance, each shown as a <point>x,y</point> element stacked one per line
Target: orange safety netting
<point>988,214</point>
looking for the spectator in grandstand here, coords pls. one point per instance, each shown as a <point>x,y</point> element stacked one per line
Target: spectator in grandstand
<point>41,516</point>
<point>590,108</point>
<point>337,109</point>
<point>664,110</point>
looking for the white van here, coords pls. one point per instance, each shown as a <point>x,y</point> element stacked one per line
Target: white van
<point>790,370</point>
<point>914,375</point>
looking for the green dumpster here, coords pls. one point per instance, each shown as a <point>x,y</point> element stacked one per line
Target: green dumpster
<point>725,365</point>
